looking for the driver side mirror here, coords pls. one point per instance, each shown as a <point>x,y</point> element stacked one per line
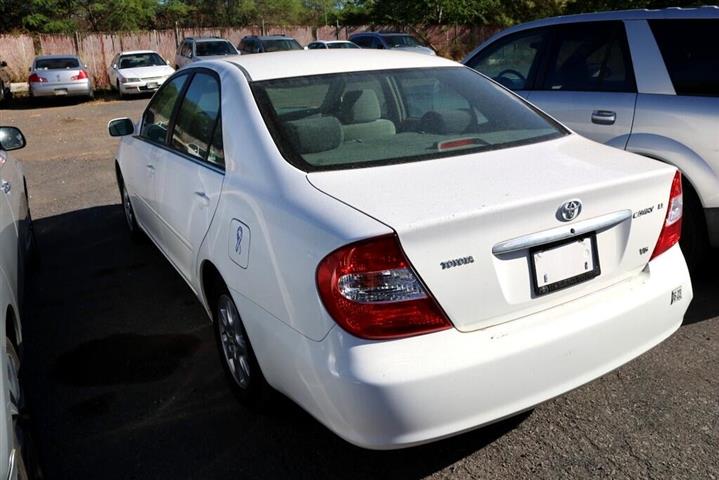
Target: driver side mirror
<point>114,66</point>
<point>120,127</point>
<point>11,138</point>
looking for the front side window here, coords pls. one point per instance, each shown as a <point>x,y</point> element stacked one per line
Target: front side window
<point>209,49</point>
<point>690,54</point>
<point>398,41</point>
<point>197,116</point>
<point>186,50</point>
<point>364,119</point>
<point>589,57</point>
<point>156,119</point>
<point>512,61</point>
<point>56,63</point>
<point>278,45</point>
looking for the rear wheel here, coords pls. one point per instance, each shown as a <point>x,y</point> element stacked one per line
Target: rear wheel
<point>236,353</point>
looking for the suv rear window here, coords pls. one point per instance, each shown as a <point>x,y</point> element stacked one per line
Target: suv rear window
<point>363,119</point>
<point>690,54</point>
<point>57,63</point>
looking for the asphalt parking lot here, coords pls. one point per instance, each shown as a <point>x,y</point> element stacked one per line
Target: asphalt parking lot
<point>124,380</point>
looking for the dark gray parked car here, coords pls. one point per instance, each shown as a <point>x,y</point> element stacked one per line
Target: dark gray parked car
<point>268,43</point>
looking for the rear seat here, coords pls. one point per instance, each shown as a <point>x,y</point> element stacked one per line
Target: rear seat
<point>360,115</point>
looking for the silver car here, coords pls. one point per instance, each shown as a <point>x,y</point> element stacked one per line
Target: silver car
<point>646,81</point>
<point>59,75</point>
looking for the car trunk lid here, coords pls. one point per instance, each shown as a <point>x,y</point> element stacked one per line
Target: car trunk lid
<point>472,225</point>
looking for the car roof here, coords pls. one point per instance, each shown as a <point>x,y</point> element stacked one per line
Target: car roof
<point>273,37</point>
<point>286,64</point>
<point>136,52</point>
<point>637,14</point>
<point>331,41</point>
<point>47,57</point>
<point>383,34</point>
<point>208,39</point>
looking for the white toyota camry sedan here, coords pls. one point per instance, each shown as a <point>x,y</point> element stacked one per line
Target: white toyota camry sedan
<point>398,244</point>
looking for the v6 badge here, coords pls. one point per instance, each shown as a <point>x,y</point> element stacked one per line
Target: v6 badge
<point>239,243</point>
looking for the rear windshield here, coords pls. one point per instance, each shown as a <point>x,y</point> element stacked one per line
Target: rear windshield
<point>395,41</point>
<point>363,119</point>
<point>140,60</point>
<point>56,63</point>
<point>281,44</point>
<point>342,45</point>
<point>208,49</point>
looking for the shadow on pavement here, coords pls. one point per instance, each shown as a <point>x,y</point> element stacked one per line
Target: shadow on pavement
<point>705,305</point>
<point>124,379</point>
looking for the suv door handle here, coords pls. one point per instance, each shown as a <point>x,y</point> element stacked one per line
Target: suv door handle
<point>5,186</point>
<point>604,117</point>
<point>204,197</point>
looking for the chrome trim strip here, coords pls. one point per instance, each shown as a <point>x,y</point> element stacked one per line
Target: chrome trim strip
<point>561,233</point>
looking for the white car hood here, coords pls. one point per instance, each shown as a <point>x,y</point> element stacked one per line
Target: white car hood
<point>146,72</point>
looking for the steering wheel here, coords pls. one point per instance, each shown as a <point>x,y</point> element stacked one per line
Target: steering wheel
<point>508,82</point>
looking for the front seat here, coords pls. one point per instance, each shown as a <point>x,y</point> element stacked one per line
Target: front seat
<point>361,117</point>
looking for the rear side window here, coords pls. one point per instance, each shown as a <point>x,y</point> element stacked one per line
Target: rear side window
<point>156,119</point>
<point>690,54</point>
<point>56,63</point>
<point>197,117</point>
<point>363,42</point>
<point>512,61</point>
<point>590,57</point>
<point>186,49</point>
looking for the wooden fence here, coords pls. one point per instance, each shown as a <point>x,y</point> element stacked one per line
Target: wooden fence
<point>98,49</point>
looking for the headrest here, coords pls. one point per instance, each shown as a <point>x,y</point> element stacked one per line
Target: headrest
<point>446,121</point>
<point>359,106</point>
<point>313,135</point>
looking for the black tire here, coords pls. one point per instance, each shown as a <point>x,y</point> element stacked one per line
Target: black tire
<point>254,391</point>
<point>120,95</point>
<point>26,458</point>
<point>32,251</point>
<point>129,212</point>
<point>695,238</point>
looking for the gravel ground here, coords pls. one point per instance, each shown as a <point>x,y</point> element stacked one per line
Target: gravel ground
<point>124,380</point>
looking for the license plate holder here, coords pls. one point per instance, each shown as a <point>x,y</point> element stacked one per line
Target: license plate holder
<point>152,86</point>
<point>563,264</point>
<point>61,91</point>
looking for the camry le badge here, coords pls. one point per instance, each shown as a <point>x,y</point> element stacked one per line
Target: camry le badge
<point>569,210</point>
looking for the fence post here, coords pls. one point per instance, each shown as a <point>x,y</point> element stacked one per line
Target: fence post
<point>177,34</point>
<point>76,39</point>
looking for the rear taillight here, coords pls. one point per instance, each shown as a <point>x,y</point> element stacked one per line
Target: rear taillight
<point>371,290</point>
<point>672,229</point>
<point>35,78</point>
<point>81,75</point>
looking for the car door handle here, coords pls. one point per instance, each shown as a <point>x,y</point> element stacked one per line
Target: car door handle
<point>5,186</point>
<point>604,117</point>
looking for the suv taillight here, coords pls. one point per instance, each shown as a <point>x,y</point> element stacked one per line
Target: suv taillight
<point>371,290</point>
<point>672,228</point>
<point>35,78</point>
<point>81,75</point>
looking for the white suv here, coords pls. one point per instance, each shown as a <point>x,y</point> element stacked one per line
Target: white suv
<point>646,81</point>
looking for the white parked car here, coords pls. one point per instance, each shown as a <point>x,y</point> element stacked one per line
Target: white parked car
<point>138,71</point>
<point>330,44</point>
<point>17,244</point>
<point>399,245</point>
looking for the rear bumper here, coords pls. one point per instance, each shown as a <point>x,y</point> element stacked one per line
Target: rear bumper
<point>78,88</point>
<point>395,394</point>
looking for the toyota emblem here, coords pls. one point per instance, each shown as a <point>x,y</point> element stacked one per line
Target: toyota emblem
<point>569,210</point>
